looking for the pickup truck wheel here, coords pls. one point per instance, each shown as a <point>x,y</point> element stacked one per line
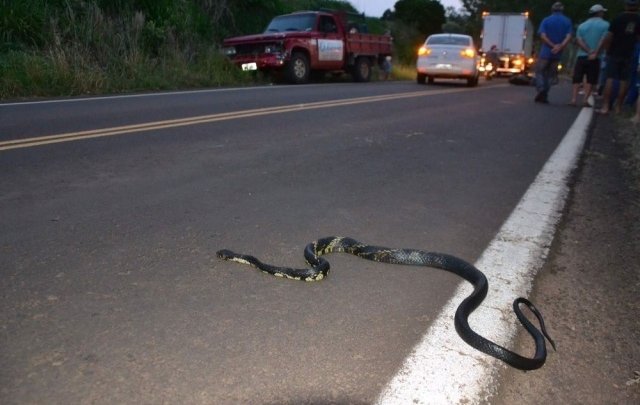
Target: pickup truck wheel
<point>298,69</point>
<point>362,70</point>
<point>421,78</point>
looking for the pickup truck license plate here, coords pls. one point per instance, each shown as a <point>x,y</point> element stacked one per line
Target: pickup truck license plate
<point>249,66</point>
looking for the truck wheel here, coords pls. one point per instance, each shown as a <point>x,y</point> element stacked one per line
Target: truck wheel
<point>298,69</point>
<point>421,78</point>
<point>362,70</point>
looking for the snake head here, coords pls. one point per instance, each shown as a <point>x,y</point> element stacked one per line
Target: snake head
<point>225,254</point>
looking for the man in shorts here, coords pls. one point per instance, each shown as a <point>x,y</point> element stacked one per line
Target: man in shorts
<point>588,36</point>
<point>620,42</point>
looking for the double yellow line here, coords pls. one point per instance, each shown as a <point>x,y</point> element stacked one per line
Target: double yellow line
<point>204,119</point>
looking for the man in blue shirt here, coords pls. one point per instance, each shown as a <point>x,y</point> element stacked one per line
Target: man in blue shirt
<point>555,33</point>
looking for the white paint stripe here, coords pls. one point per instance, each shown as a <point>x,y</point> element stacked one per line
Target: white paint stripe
<point>442,368</point>
<point>139,95</point>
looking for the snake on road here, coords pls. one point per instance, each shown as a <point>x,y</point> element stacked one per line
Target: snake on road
<point>319,268</point>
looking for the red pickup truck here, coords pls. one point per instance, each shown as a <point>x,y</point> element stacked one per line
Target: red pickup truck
<point>310,41</point>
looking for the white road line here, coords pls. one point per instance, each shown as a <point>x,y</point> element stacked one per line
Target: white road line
<point>138,95</point>
<point>156,94</point>
<point>442,369</point>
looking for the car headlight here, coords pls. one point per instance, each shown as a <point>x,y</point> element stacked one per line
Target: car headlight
<point>229,50</point>
<point>273,48</point>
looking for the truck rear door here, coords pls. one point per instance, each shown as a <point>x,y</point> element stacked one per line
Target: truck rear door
<point>514,34</point>
<point>493,31</point>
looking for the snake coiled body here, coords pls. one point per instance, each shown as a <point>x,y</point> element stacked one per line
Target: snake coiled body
<point>320,268</point>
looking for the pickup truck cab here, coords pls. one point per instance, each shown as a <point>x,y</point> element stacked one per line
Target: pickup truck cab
<point>310,41</point>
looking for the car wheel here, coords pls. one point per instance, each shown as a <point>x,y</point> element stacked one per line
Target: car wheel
<point>298,70</point>
<point>421,78</point>
<point>430,79</point>
<point>472,81</point>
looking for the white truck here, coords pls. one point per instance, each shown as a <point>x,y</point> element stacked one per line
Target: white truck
<point>512,35</point>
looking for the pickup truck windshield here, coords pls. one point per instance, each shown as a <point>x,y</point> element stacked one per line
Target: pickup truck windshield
<point>298,22</point>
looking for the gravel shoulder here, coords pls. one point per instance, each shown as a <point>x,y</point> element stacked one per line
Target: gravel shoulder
<point>589,289</point>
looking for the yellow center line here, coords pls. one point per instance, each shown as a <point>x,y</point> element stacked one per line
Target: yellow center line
<point>203,119</point>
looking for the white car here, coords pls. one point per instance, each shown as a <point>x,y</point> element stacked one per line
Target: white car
<point>451,56</point>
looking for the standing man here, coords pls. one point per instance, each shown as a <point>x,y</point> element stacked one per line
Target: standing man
<point>555,34</point>
<point>588,37</point>
<point>620,43</point>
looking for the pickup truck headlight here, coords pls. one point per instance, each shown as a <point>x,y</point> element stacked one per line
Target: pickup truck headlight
<point>273,48</point>
<point>229,50</point>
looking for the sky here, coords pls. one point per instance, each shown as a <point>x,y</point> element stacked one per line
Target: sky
<point>375,8</point>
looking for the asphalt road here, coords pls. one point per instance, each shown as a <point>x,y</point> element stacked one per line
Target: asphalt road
<point>110,288</point>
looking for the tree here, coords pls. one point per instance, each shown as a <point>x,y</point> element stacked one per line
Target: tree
<point>427,16</point>
<point>412,22</point>
<point>576,10</point>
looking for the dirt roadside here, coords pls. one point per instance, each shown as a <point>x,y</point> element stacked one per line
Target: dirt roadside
<point>589,290</point>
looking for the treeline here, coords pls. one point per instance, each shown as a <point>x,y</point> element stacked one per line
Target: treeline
<point>576,10</point>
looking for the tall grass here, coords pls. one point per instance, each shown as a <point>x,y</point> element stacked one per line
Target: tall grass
<point>79,48</point>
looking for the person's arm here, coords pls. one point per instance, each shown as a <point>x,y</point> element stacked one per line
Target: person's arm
<point>604,43</point>
<point>546,40</point>
<point>565,42</point>
<point>583,45</point>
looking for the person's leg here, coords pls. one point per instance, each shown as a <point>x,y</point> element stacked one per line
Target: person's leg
<point>606,96</point>
<point>636,118</point>
<point>622,93</point>
<point>542,80</point>
<point>588,87</point>
<point>552,77</point>
<point>625,75</point>
<point>575,80</point>
<point>592,71</point>
<point>611,72</point>
<point>574,94</point>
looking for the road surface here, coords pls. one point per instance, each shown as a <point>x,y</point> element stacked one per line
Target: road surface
<point>113,209</point>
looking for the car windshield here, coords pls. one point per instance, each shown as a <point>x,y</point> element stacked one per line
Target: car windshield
<point>297,22</point>
<point>448,40</point>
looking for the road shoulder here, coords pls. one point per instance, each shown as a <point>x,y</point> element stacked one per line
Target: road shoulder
<point>588,290</point>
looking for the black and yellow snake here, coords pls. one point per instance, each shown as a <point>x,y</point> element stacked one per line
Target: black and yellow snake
<point>320,268</point>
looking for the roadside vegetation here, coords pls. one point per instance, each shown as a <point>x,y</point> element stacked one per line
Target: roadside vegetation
<point>72,47</point>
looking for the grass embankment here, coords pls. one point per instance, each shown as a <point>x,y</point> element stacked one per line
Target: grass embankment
<point>53,48</point>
